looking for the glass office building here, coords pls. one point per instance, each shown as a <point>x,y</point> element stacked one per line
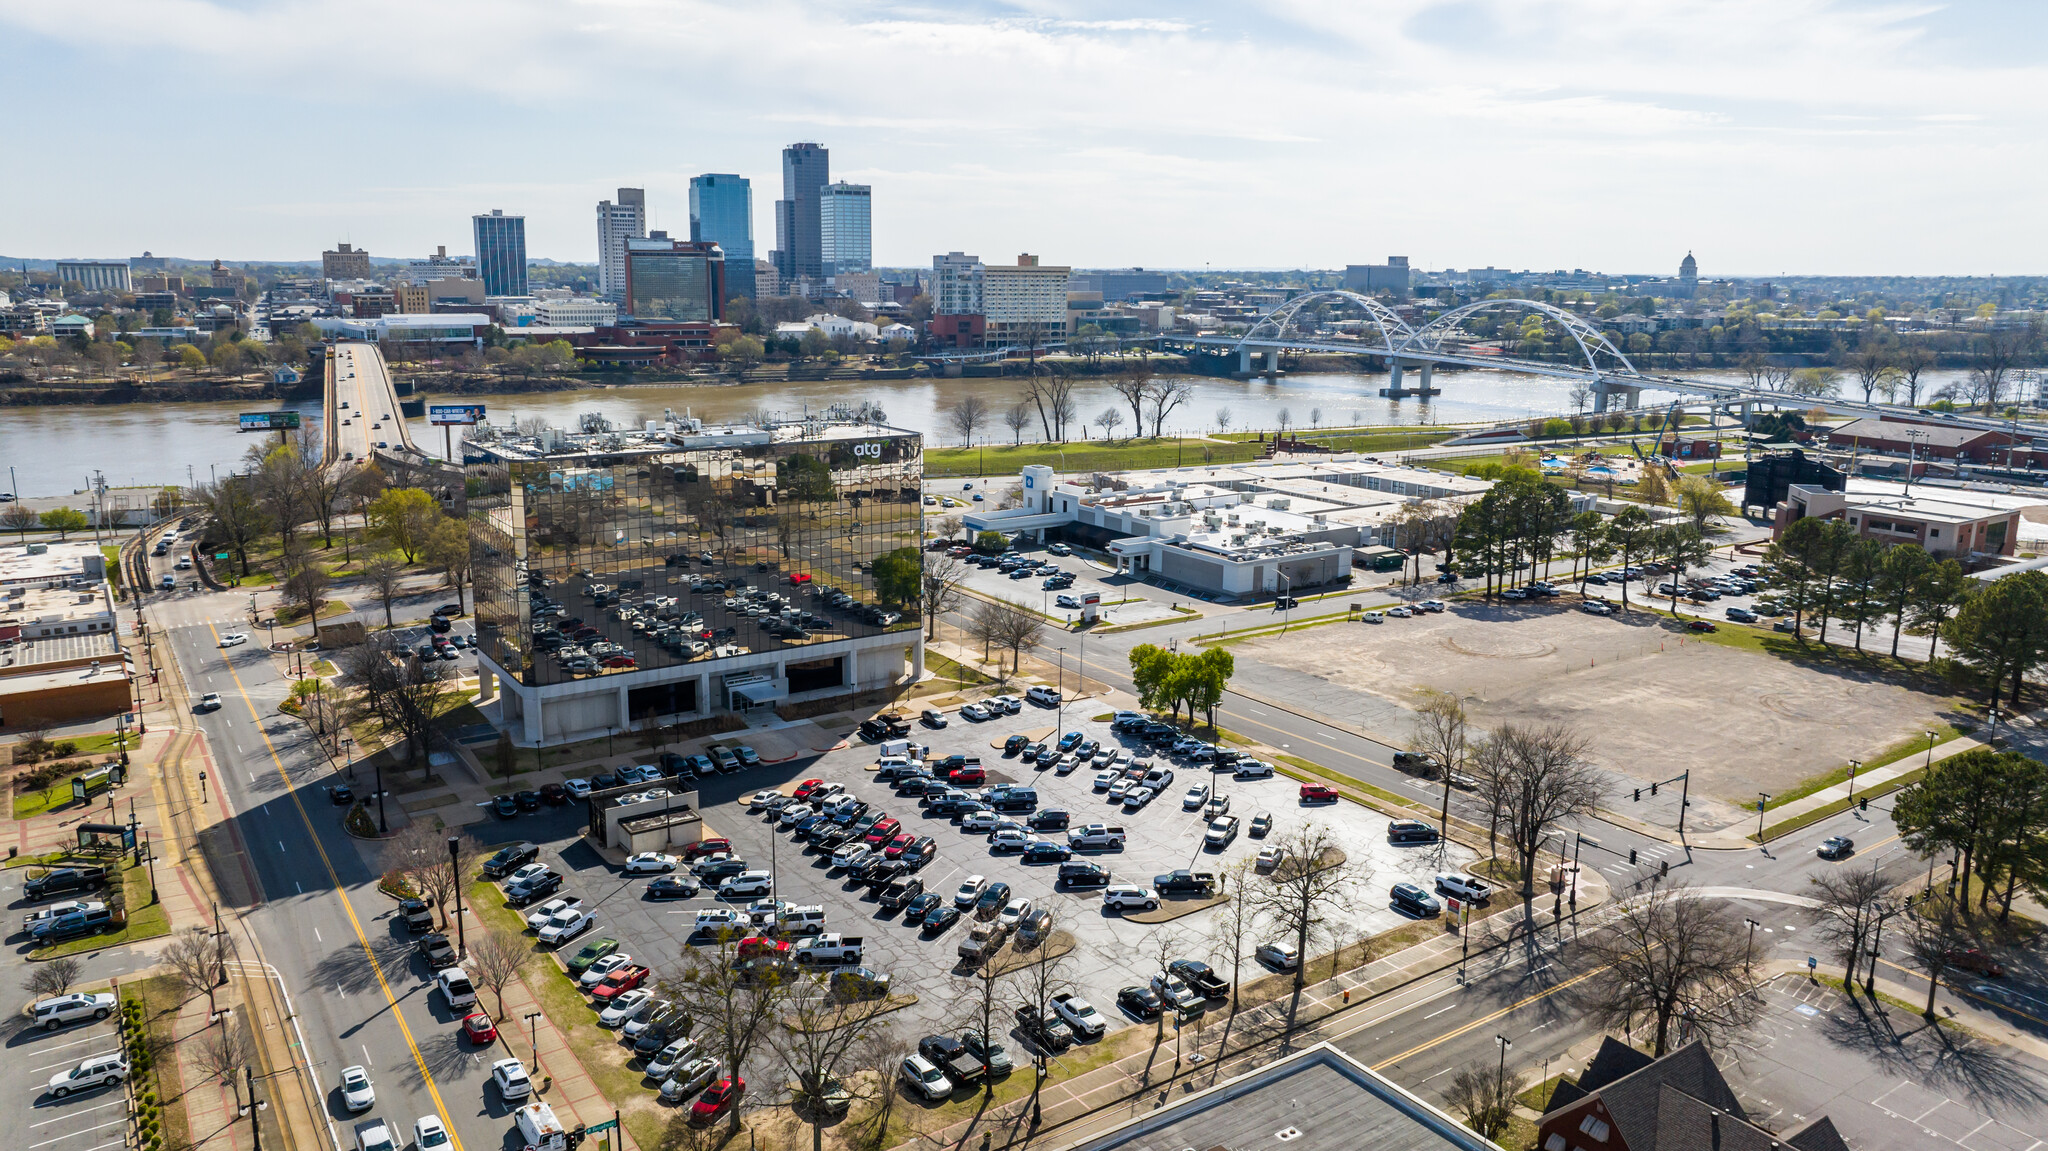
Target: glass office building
<point>722,213</point>
<point>846,228</point>
<point>501,253</point>
<point>628,579</point>
<point>680,281</point>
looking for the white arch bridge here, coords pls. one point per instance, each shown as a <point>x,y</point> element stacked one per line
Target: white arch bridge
<point>1602,367</point>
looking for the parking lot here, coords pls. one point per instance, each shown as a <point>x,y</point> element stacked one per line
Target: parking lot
<point>1750,721</point>
<point>1161,837</point>
<point>92,1120</point>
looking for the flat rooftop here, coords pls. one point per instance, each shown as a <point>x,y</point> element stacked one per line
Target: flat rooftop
<point>682,435</point>
<point>54,604</point>
<point>69,559</point>
<point>59,649</point>
<point>1317,1100</point>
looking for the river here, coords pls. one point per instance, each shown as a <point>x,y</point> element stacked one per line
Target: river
<point>51,450</point>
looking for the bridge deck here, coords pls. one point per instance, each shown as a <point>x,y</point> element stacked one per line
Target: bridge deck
<point>361,404</point>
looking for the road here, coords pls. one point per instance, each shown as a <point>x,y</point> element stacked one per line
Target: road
<point>362,407</point>
<point>362,994</point>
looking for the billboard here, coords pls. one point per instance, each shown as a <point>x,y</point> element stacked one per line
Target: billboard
<point>442,415</point>
<point>269,421</point>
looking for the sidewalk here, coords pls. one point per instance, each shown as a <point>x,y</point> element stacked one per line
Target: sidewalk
<point>1742,835</point>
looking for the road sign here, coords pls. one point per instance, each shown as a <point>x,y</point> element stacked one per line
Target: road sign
<point>269,421</point>
<point>1811,963</point>
<point>604,1125</point>
<point>220,555</point>
<point>441,415</point>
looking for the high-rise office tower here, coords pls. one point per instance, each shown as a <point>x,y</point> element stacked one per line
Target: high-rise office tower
<point>799,253</point>
<point>679,281</point>
<point>501,253</point>
<point>722,213</point>
<point>957,284</point>
<point>845,232</point>
<point>617,223</point>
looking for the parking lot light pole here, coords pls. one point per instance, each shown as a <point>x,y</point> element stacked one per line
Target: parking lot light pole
<point>455,865</point>
<point>1854,765</point>
<point>1762,798</point>
<point>1749,949</point>
<point>533,1025</point>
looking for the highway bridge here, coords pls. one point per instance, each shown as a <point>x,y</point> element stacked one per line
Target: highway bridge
<point>361,412</point>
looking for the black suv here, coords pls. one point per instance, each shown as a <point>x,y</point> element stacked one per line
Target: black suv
<point>1051,819</point>
<point>1410,831</point>
<point>1078,875</point>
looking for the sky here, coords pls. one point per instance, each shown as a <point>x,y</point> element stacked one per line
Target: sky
<point>1765,136</point>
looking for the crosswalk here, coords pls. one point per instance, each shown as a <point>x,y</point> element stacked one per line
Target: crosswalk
<point>1646,857</point>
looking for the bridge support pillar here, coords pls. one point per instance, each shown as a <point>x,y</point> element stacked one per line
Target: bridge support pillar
<point>1393,390</point>
<point>1244,361</point>
<point>1428,369</point>
<point>1272,361</point>
<point>1748,413</point>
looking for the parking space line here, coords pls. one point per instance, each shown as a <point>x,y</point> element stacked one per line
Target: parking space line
<point>76,1114</point>
<point>87,1131</point>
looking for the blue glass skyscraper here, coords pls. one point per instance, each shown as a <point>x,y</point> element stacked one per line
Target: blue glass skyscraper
<point>722,212</point>
<point>501,253</point>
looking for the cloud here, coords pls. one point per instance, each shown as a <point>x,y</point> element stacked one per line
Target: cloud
<point>1591,133</point>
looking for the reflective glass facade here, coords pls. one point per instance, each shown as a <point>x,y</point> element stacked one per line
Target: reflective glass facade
<point>722,212</point>
<point>682,282</point>
<point>615,554</point>
<point>501,253</point>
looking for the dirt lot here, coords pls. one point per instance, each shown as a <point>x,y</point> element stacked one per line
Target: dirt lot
<point>1654,701</point>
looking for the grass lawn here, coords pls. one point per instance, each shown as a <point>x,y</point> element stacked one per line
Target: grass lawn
<point>1168,452</point>
<point>112,552</point>
<point>146,920</point>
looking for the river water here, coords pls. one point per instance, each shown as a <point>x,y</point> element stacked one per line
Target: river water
<point>51,450</point>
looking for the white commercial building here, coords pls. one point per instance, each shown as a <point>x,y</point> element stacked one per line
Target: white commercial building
<point>95,275</point>
<point>584,312</point>
<point>617,223</point>
<point>1231,531</point>
<point>956,284</point>
<point>846,228</point>
<point>443,328</point>
<point>1024,299</point>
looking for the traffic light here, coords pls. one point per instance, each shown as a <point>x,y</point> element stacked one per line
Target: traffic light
<point>575,1136</point>
<point>1663,868</point>
<point>1631,856</point>
<point>1639,795</point>
<point>1863,804</point>
<point>1653,788</point>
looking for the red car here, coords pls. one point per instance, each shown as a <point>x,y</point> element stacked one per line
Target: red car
<point>717,1099</point>
<point>619,982</point>
<point>1318,793</point>
<point>704,847</point>
<point>897,845</point>
<point>620,661</point>
<point>757,945</point>
<point>803,790</point>
<point>1701,625</point>
<point>882,832</point>
<point>1974,960</point>
<point>968,775</point>
<point>480,1029</point>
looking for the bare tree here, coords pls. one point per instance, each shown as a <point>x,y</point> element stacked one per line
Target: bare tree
<point>1163,396</point>
<point>1443,733</point>
<point>1485,1095</point>
<point>1850,902</point>
<point>1671,959</point>
<point>939,591</point>
<point>1052,397</point>
<point>1304,891</point>
<point>734,1004</point>
<point>198,959</point>
<point>1131,385</point>
<point>1932,936</point>
<point>496,958</point>
<point>401,694</point>
<point>223,1051</point>
<point>876,1058</point>
<point>1017,417</point>
<point>1109,421</point>
<point>52,978</point>
<point>1223,417</point>
<point>1237,921</point>
<point>1539,777</point>
<point>420,851</point>
<point>1038,981</point>
<point>382,575</point>
<point>1157,948</point>
<point>984,1012</point>
<point>820,1039</point>
<point>967,416</point>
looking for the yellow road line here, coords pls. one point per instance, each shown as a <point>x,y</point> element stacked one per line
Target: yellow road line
<point>1481,1022</point>
<point>335,878</point>
<point>1861,850</point>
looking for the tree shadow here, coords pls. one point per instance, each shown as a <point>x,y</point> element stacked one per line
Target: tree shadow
<point>1940,1058</point>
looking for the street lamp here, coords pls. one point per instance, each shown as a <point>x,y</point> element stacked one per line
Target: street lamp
<point>1749,949</point>
<point>1504,1045</point>
<point>1930,752</point>
<point>1761,799</point>
<point>455,865</point>
<point>1854,766</point>
<point>533,1025</point>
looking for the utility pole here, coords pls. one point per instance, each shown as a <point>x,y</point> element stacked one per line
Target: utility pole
<point>455,864</point>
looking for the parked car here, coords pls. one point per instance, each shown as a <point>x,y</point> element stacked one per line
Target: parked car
<point>1412,899</point>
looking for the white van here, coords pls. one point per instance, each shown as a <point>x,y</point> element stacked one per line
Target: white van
<point>893,748</point>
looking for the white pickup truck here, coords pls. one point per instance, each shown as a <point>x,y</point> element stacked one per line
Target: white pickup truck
<point>1098,836</point>
<point>831,947</point>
